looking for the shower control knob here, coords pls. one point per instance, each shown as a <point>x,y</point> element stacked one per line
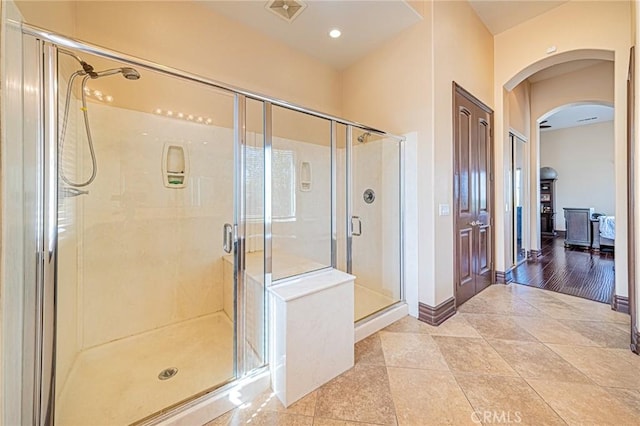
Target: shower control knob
<point>369,196</point>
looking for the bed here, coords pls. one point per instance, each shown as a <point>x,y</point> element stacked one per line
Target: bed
<point>604,232</point>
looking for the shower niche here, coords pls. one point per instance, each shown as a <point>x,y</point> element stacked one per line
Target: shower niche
<point>175,165</point>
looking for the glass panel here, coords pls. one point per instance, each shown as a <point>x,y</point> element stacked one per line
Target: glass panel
<point>145,292</point>
<point>254,283</point>
<point>300,193</point>
<point>519,198</point>
<point>375,222</point>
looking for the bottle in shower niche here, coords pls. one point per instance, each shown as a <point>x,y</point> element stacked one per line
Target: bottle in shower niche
<point>175,165</point>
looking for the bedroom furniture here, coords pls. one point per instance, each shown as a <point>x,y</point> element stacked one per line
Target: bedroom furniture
<point>578,225</point>
<point>547,207</point>
<point>598,240</point>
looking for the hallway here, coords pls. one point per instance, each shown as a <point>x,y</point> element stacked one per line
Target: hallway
<point>512,352</point>
<point>570,271</point>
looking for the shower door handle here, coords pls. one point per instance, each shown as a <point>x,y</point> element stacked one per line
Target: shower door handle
<point>227,237</point>
<point>353,228</point>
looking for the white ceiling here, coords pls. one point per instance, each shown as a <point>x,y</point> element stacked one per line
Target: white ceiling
<point>364,25</point>
<point>579,115</point>
<point>500,15</point>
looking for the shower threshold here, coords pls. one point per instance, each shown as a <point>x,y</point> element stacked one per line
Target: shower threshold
<point>369,301</point>
<point>117,383</point>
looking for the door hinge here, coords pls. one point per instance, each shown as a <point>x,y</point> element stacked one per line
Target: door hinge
<point>491,177</point>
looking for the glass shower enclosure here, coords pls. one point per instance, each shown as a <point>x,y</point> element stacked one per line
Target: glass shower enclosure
<point>166,205</point>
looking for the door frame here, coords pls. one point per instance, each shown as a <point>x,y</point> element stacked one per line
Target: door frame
<point>631,240</point>
<point>458,89</point>
<point>514,136</point>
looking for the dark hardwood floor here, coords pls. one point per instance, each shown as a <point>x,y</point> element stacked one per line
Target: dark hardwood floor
<point>569,270</point>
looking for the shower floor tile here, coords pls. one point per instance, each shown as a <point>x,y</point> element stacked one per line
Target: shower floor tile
<point>117,383</point>
<point>369,301</point>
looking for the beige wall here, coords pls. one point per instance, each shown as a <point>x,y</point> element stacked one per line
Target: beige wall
<point>463,52</point>
<point>57,16</point>
<point>392,88</point>
<point>401,88</point>
<point>597,30</point>
<point>594,84</point>
<point>583,158</point>
<point>520,109</point>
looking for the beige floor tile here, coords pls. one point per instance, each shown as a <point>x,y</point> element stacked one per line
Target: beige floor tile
<point>454,326</point>
<point>269,401</point>
<point>535,360</point>
<point>318,421</point>
<point>468,355</point>
<point>580,404</point>
<point>628,356</point>
<point>628,397</point>
<point>605,334</point>
<point>554,308</point>
<point>498,327</point>
<point>409,324</point>
<point>626,328</point>
<point>361,394</point>
<point>506,400</point>
<point>261,417</point>
<point>592,311</point>
<point>604,366</point>
<point>428,397</point>
<point>549,330</point>
<point>523,290</point>
<point>412,351</point>
<point>499,306</point>
<point>369,351</point>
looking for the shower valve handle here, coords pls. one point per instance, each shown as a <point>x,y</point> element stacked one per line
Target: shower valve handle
<point>353,228</point>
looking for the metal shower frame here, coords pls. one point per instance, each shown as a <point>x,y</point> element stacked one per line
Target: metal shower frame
<point>40,383</point>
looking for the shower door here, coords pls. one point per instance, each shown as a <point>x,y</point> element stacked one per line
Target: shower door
<point>374,243</point>
<point>145,201</point>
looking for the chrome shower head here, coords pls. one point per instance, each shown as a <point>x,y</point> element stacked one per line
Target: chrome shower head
<point>128,73</point>
<point>363,137</point>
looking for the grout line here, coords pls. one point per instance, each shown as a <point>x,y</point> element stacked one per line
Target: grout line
<point>545,402</point>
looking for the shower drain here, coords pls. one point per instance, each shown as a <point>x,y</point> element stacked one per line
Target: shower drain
<point>167,373</point>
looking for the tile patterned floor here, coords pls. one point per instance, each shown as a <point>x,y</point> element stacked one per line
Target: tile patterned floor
<point>513,354</point>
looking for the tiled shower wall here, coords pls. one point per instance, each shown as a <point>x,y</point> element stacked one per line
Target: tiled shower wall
<point>376,253</point>
<point>149,256</point>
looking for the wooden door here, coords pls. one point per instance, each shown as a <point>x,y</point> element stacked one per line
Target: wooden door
<point>472,195</point>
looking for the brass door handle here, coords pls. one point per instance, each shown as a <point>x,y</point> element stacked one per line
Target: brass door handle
<point>476,223</point>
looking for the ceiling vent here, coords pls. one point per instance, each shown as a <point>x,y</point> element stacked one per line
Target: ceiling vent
<point>286,9</point>
<point>582,120</point>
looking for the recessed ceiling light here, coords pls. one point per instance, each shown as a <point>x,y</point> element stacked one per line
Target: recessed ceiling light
<point>335,33</point>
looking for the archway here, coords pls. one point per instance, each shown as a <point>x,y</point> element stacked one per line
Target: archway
<point>563,98</point>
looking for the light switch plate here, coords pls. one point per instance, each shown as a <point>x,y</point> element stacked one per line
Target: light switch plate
<point>444,209</point>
